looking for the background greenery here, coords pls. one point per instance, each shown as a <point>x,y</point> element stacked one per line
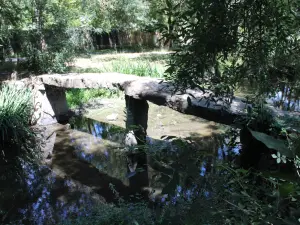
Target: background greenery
<point>219,46</point>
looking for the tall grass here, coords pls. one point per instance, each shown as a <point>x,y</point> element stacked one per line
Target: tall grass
<point>138,68</point>
<point>16,108</point>
<point>142,68</point>
<point>18,141</point>
<point>18,146</point>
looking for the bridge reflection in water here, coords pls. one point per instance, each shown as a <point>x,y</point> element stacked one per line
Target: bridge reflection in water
<point>90,161</point>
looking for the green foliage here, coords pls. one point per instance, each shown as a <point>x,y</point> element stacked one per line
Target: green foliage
<point>139,68</point>
<point>130,14</point>
<point>228,196</point>
<point>42,35</point>
<point>48,47</point>
<point>170,10</point>
<point>272,143</point>
<point>223,42</point>
<point>125,214</point>
<point>234,196</point>
<point>16,109</point>
<point>54,29</point>
<point>19,146</point>
<point>18,140</point>
<point>77,97</point>
<point>9,14</point>
<point>259,117</point>
<point>48,61</point>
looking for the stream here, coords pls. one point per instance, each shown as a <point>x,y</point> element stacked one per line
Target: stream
<point>87,162</point>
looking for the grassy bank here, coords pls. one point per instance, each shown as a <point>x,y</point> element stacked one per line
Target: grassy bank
<point>77,97</point>
<point>150,64</point>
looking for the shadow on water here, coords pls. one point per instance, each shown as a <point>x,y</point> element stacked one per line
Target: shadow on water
<point>89,161</point>
<point>101,145</point>
<point>96,160</point>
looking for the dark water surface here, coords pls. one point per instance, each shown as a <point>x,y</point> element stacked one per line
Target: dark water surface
<point>89,162</point>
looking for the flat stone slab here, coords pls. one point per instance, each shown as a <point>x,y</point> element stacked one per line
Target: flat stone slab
<point>88,80</point>
<point>158,91</point>
<point>193,102</point>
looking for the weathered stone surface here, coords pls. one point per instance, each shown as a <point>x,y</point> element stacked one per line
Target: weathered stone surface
<point>191,102</point>
<point>137,118</point>
<point>143,88</point>
<point>88,80</point>
<point>58,106</point>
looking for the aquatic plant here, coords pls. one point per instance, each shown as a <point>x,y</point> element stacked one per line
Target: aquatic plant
<point>16,108</point>
<point>19,146</point>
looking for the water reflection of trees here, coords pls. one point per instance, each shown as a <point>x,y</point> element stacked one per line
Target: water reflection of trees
<point>185,160</point>
<point>160,164</point>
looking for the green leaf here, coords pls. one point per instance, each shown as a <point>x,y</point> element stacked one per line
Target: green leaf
<point>272,143</point>
<point>283,160</point>
<point>274,156</point>
<point>169,4</point>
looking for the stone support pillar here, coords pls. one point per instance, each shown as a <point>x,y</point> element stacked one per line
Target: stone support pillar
<point>136,120</point>
<point>137,123</point>
<point>55,107</point>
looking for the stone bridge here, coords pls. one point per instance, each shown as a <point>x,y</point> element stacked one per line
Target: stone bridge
<point>52,107</point>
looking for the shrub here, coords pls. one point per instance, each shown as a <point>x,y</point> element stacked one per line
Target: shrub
<point>18,145</point>
<point>16,109</point>
<point>48,61</point>
<point>49,51</point>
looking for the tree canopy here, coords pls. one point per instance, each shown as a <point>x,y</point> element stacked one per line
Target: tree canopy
<point>220,42</point>
<point>224,42</point>
<point>97,14</point>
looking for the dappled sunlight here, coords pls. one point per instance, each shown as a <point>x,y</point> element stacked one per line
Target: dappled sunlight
<point>161,121</point>
<point>97,148</point>
<point>149,112</point>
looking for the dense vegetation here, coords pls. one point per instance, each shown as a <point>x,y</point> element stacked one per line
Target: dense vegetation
<point>50,32</point>
<point>225,43</point>
<point>19,145</point>
<point>219,46</point>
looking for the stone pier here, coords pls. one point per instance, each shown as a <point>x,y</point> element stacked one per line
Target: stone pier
<point>57,108</point>
<point>137,118</point>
